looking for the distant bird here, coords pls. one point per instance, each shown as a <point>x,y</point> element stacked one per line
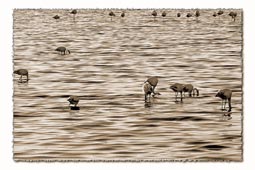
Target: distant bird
<point>197,14</point>
<point>148,89</point>
<point>177,88</point>
<point>233,15</point>
<point>63,50</point>
<point>56,17</point>
<point>21,72</point>
<point>225,95</point>
<point>122,14</point>
<point>214,14</point>
<point>111,14</point>
<point>154,14</point>
<point>178,14</point>
<point>164,14</point>
<point>220,12</point>
<point>190,89</point>
<point>189,15</point>
<point>74,100</point>
<point>153,81</point>
<point>74,12</point>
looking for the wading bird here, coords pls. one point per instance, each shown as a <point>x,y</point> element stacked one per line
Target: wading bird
<point>122,14</point>
<point>189,15</point>
<point>214,14</point>
<point>147,88</point>
<point>190,89</point>
<point>63,50</point>
<point>21,72</point>
<point>233,15</point>
<point>56,17</point>
<point>178,14</point>
<point>225,95</point>
<point>220,12</point>
<point>164,14</point>
<point>177,88</point>
<point>153,81</point>
<point>197,14</point>
<point>74,100</point>
<point>111,14</point>
<point>74,12</point>
<point>154,14</point>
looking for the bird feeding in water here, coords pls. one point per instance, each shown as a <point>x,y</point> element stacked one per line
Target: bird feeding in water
<point>154,14</point>
<point>111,14</point>
<point>22,72</point>
<point>73,100</point>
<point>148,90</point>
<point>233,15</point>
<point>225,95</point>
<point>74,12</point>
<point>56,17</point>
<point>197,13</point>
<point>153,81</point>
<point>122,14</point>
<point>178,14</point>
<point>177,88</point>
<point>63,50</point>
<point>164,14</point>
<point>189,15</point>
<point>214,14</point>
<point>191,90</point>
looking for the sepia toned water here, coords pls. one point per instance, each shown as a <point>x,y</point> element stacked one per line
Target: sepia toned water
<point>108,64</point>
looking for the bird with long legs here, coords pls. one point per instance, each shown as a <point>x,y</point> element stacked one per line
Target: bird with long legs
<point>163,14</point>
<point>122,14</point>
<point>73,101</point>
<point>63,50</point>
<point>111,14</point>
<point>153,81</point>
<point>22,72</point>
<point>197,14</point>
<point>154,14</point>
<point>177,88</point>
<point>225,95</point>
<point>233,15</point>
<point>191,90</point>
<point>74,12</point>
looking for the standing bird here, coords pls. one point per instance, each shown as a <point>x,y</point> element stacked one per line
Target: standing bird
<point>225,95</point>
<point>21,72</point>
<point>164,14</point>
<point>153,81</point>
<point>122,14</point>
<point>189,15</point>
<point>177,88</point>
<point>147,88</point>
<point>220,12</point>
<point>178,14</point>
<point>214,14</point>
<point>74,100</point>
<point>197,14</point>
<point>191,90</point>
<point>63,50</point>
<point>111,14</point>
<point>154,14</point>
<point>56,17</point>
<point>233,15</point>
<point>74,12</point>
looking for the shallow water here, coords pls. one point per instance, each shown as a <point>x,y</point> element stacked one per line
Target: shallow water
<point>108,64</point>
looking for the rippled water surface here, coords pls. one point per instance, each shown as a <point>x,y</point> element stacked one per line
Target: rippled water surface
<point>108,64</point>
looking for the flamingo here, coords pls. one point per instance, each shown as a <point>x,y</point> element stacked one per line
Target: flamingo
<point>225,95</point>
<point>21,72</point>
<point>63,50</point>
<point>177,88</point>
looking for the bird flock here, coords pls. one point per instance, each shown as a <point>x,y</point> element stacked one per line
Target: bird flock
<point>151,83</point>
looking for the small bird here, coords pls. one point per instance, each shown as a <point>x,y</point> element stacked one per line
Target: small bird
<point>21,72</point>
<point>147,88</point>
<point>56,17</point>
<point>214,14</point>
<point>122,14</point>
<point>164,14</point>
<point>74,12</point>
<point>220,12</point>
<point>233,15</point>
<point>63,50</point>
<point>225,95</point>
<point>154,14</point>
<point>177,88</point>
<point>189,15</point>
<point>197,14</point>
<point>178,14</point>
<point>153,81</point>
<point>190,89</point>
<point>74,100</point>
<point>111,14</point>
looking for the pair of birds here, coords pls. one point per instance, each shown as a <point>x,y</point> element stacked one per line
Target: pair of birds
<point>151,83</point>
<point>112,14</point>
<point>74,12</point>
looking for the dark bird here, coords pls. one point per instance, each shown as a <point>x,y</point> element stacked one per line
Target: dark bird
<point>74,12</point>
<point>56,17</point>
<point>73,100</point>
<point>220,12</point>
<point>197,14</point>
<point>177,88</point>
<point>233,15</point>
<point>178,14</point>
<point>122,14</point>
<point>225,95</point>
<point>111,14</point>
<point>63,50</point>
<point>21,72</point>
<point>164,14</point>
<point>153,81</point>
<point>154,14</point>
<point>147,88</point>
<point>189,15</point>
<point>191,90</point>
<point>214,14</point>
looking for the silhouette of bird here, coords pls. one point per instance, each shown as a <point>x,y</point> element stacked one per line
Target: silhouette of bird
<point>56,17</point>
<point>21,72</point>
<point>122,14</point>
<point>190,89</point>
<point>74,100</point>
<point>220,12</point>
<point>154,14</point>
<point>178,14</point>
<point>189,15</point>
<point>177,88</point>
<point>214,14</point>
<point>147,88</point>
<point>225,95</point>
<point>74,12</point>
<point>164,14</point>
<point>111,14</point>
<point>233,15</point>
<point>153,81</point>
<point>197,14</point>
<point>63,50</point>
